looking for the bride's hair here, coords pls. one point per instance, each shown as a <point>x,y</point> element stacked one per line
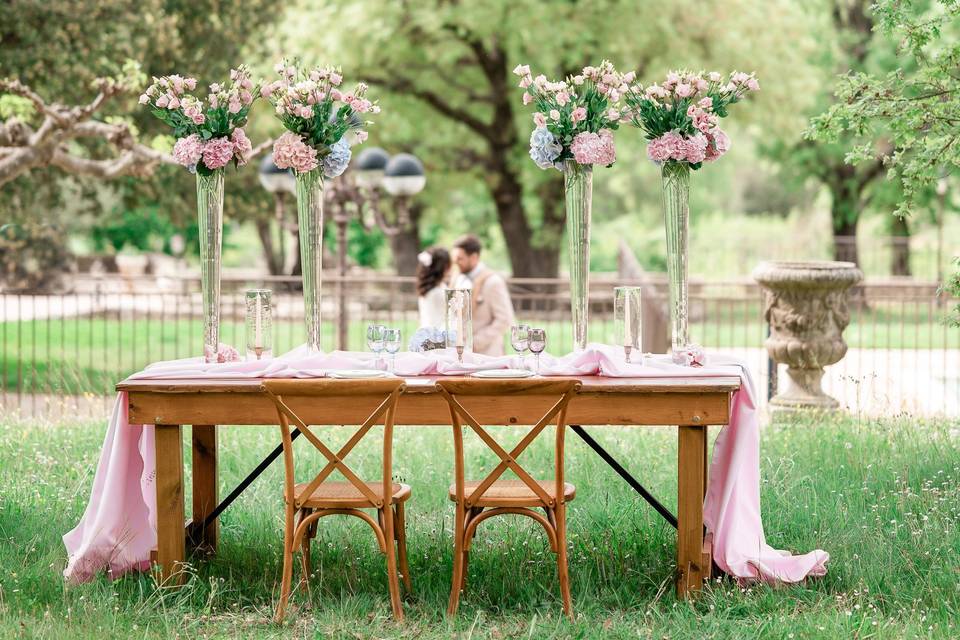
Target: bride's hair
<point>433,265</point>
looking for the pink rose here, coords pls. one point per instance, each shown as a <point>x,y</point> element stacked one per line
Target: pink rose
<point>578,114</point>
<point>290,152</point>
<point>684,90</point>
<point>191,83</point>
<point>187,151</point>
<point>217,153</point>
<point>521,70</point>
<point>241,145</point>
<point>527,98</point>
<point>525,82</point>
<point>563,98</point>
<point>554,114</point>
<point>335,79</point>
<point>162,101</point>
<point>234,106</point>
<point>336,95</point>
<point>540,120</point>
<point>144,98</point>
<point>305,112</point>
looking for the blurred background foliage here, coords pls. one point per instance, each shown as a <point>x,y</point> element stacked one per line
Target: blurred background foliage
<point>442,73</point>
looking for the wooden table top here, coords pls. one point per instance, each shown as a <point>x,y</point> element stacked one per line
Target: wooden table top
<point>426,384</point>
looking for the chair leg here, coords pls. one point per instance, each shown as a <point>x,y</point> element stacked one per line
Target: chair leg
<point>287,567</point>
<point>457,581</point>
<point>564,576</point>
<point>393,581</point>
<point>305,552</point>
<point>400,524</point>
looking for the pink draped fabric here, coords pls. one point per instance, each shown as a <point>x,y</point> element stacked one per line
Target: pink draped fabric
<point>118,527</point>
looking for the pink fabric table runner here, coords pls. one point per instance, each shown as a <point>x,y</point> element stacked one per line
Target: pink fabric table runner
<point>119,528</point>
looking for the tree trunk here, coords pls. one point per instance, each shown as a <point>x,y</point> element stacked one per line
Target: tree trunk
<point>272,256</point>
<point>900,246</point>
<point>845,192</point>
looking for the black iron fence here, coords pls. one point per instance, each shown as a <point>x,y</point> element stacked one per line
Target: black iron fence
<point>63,353</point>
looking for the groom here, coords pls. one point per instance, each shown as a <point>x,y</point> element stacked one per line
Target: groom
<point>492,308</point>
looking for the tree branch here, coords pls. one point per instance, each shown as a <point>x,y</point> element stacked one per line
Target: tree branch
<point>406,86</point>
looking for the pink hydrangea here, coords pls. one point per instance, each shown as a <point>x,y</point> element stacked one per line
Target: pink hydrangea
<point>718,144</point>
<point>187,151</point>
<point>695,148</point>
<point>290,152</point>
<point>594,148</point>
<point>241,145</point>
<point>217,153</point>
<point>669,146</point>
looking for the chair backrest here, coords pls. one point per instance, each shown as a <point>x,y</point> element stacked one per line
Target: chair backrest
<point>382,394</point>
<point>563,389</point>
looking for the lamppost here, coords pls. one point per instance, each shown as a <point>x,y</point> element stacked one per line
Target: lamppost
<point>279,182</point>
<point>360,190</point>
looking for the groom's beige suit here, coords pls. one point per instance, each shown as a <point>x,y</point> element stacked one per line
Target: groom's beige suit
<point>492,310</point>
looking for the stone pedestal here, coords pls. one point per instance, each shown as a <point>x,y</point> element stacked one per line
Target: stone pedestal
<point>806,307</point>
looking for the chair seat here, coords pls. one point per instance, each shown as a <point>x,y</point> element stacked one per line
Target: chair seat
<point>513,493</point>
<point>343,495</point>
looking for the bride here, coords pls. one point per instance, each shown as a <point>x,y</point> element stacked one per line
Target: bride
<point>433,273</point>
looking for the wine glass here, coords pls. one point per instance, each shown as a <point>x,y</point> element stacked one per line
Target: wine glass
<point>375,339</point>
<point>520,340</point>
<point>537,339</point>
<point>391,343</point>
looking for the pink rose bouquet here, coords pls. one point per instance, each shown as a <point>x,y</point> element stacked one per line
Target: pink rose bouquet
<point>575,117</point>
<point>680,116</point>
<point>209,135</point>
<point>318,114</point>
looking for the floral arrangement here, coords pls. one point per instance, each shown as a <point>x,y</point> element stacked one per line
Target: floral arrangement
<point>317,115</point>
<point>428,339</point>
<point>680,117</point>
<point>208,135</point>
<point>575,118</point>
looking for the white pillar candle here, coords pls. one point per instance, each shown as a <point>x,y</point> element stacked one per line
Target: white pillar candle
<point>627,325</point>
<point>258,331</point>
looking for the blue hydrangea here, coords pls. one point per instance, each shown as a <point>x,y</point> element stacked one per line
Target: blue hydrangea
<point>335,162</point>
<point>544,148</point>
<point>427,339</point>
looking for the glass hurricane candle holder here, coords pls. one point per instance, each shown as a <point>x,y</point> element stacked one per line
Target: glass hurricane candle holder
<point>259,309</point>
<point>626,321</point>
<point>459,321</point>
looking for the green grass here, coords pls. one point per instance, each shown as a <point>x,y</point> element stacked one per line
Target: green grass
<point>882,497</point>
<point>89,355</point>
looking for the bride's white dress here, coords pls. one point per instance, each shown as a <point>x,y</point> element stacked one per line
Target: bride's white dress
<point>431,306</point>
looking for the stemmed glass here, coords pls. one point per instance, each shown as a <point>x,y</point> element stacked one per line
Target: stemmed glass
<point>537,339</point>
<point>375,339</point>
<point>520,340</point>
<point>391,342</point>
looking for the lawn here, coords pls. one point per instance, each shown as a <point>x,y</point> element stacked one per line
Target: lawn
<point>882,497</point>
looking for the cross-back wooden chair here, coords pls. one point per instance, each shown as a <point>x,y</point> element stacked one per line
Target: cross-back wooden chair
<point>307,502</point>
<point>477,501</point>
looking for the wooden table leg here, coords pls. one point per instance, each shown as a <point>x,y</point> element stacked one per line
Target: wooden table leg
<point>170,534</point>
<point>692,473</point>
<point>205,492</point>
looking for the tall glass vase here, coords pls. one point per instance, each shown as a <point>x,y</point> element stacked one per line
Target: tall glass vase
<point>676,213</point>
<point>310,222</point>
<point>578,193</point>
<point>210,223</point>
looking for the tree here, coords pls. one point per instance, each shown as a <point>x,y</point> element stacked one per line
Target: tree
<point>25,148</point>
<point>57,49</point>
<point>446,67</point>
<point>851,186</point>
<point>917,105</point>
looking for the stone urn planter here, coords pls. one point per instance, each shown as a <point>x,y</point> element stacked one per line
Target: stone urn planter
<point>806,307</point>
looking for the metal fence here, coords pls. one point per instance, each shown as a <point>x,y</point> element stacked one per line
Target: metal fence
<point>62,354</point>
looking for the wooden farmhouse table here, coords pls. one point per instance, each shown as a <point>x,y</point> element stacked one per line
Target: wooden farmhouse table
<point>692,404</point>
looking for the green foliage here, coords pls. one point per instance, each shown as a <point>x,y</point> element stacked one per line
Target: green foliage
<point>32,257</point>
<point>916,106</point>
